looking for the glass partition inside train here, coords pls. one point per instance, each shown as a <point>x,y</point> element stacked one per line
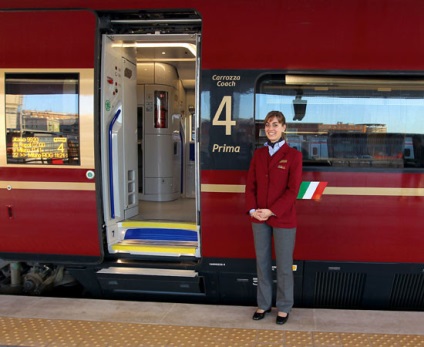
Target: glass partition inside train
<point>348,122</point>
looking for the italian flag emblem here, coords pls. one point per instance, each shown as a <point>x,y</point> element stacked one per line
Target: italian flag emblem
<point>311,190</point>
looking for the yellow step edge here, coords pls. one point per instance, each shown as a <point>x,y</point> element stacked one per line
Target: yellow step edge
<point>154,249</point>
<point>139,224</point>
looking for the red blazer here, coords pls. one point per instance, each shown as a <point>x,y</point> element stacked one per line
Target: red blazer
<point>273,183</point>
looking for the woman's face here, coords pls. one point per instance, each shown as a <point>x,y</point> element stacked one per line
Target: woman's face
<point>274,129</point>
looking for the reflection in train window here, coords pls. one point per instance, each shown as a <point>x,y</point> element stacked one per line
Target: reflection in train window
<point>42,118</point>
<point>345,121</point>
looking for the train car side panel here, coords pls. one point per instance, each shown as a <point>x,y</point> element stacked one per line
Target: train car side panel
<point>47,177</point>
<point>341,35</point>
<point>368,212</point>
<point>38,35</point>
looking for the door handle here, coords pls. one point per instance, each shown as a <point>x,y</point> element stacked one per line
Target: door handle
<point>111,192</point>
<point>10,211</point>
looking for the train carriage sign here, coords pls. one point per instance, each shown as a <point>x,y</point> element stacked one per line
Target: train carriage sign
<point>40,147</point>
<point>227,127</point>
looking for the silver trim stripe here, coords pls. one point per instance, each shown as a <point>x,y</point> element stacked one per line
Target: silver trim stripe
<point>147,271</point>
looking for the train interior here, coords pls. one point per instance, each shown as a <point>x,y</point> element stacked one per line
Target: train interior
<point>149,108</point>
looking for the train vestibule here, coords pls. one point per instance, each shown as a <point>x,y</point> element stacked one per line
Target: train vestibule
<point>148,146</point>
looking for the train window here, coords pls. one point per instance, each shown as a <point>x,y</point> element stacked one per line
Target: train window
<point>358,122</point>
<point>42,118</point>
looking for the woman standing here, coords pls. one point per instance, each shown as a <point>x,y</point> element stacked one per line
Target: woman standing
<point>272,186</point>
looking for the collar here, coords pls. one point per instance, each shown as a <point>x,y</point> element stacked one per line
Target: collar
<point>274,147</point>
<point>272,144</point>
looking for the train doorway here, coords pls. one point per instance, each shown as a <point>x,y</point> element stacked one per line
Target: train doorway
<point>149,121</point>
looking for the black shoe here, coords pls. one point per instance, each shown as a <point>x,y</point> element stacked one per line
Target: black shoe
<point>259,316</point>
<point>281,320</point>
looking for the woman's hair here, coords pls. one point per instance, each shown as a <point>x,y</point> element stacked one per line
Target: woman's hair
<point>279,115</point>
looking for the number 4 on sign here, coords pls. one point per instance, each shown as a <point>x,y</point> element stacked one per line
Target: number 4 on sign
<point>228,122</point>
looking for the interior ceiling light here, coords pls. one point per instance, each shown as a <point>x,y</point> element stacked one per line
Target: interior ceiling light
<point>189,46</point>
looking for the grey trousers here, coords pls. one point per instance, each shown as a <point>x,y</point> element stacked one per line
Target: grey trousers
<point>284,240</point>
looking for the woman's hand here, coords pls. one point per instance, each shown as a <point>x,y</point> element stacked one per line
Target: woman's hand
<point>262,214</point>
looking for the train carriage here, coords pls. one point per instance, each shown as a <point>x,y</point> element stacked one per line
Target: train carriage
<point>127,128</point>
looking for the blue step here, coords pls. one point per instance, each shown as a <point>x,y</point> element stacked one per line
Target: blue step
<point>160,234</point>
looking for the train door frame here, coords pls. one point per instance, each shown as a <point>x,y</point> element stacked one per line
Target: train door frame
<point>117,226</point>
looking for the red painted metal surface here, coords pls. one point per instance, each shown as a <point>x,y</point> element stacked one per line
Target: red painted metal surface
<point>63,220</point>
<point>43,174</point>
<point>59,222</point>
<point>47,39</point>
<point>338,35</point>
<point>360,228</point>
<point>336,227</point>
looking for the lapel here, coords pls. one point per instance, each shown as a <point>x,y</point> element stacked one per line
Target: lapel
<point>279,158</point>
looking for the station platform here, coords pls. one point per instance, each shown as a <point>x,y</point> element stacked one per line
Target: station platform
<point>50,321</point>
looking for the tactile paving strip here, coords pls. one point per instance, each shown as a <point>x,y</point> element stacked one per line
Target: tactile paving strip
<point>34,332</point>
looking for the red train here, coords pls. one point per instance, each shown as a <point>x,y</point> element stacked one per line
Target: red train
<point>127,128</point>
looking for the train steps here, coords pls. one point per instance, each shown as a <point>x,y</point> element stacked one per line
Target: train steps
<point>158,238</point>
<point>131,279</point>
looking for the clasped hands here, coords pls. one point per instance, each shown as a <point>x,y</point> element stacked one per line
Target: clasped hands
<point>262,214</point>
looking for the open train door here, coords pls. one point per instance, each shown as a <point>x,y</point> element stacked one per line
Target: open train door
<point>149,93</point>
<point>149,124</point>
<point>48,203</point>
